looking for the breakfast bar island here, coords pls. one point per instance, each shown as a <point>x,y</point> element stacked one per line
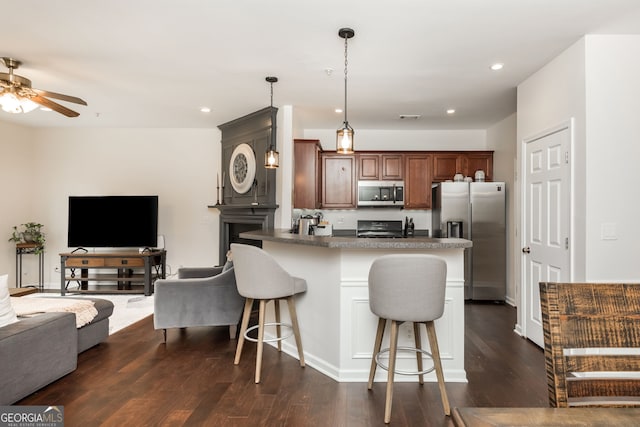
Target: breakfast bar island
<point>337,327</point>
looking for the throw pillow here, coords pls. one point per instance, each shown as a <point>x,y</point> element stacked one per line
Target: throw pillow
<point>7,315</point>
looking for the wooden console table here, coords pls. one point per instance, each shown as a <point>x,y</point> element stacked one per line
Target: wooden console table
<point>126,268</point>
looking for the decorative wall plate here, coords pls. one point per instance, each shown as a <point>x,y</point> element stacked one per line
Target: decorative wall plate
<point>242,168</point>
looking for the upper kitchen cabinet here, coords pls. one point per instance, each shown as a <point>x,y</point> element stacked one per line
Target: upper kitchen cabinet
<point>339,184</point>
<point>446,165</point>
<point>480,160</point>
<point>376,166</point>
<point>306,183</point>
<point>417,182</point>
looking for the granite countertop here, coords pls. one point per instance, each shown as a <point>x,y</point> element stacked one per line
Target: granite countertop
<point>344,242</point>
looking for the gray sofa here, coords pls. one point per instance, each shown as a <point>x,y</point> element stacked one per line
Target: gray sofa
<point>199,297</point>
<point>38,350</point>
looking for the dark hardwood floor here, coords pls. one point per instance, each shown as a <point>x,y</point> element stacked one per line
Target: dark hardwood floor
<point>133,379</point>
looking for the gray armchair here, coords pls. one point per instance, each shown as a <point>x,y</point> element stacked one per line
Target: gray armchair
<point>198,297</point>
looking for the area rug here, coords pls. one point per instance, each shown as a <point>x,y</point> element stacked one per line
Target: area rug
<point>127,309</point>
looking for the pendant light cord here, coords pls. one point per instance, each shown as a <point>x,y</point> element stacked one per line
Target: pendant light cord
<point>345,79</point>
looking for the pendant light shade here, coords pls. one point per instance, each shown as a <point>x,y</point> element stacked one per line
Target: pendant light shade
<point>272,157</point>
<point>344,135</point>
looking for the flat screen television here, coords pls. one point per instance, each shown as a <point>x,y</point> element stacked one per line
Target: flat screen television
<point>113,221</point>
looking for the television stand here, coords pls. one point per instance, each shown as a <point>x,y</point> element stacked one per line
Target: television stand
<point>127,269</point>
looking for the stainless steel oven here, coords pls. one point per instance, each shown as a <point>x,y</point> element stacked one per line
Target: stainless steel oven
<point>381,193</point>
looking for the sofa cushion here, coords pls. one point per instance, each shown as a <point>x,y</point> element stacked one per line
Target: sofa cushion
<point>7,314</point>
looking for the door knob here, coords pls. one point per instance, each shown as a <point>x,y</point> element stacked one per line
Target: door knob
<point>526,250</point>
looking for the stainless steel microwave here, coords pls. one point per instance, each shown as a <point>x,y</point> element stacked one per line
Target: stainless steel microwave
<point>381,193</point>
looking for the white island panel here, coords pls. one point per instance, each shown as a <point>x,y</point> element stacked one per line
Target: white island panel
<point>337,327</point>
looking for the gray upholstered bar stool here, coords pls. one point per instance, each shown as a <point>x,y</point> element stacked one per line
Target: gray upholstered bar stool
<point>260,277</point>
<point>407,288</point>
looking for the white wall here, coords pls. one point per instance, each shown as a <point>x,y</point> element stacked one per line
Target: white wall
<point>18,169</point>
<point>179,165</point>
<point>405,140</point>
<point>594,82</point>
<point>551,96</point>
<point>501,138</point>
<point>548,98</point>
<point>613,150</point>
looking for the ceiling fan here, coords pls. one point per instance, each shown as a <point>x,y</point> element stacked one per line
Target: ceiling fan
<point>17,95</point>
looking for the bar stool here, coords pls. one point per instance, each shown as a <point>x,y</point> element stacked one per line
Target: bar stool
<point>407,288</point>
<point>260,277</point>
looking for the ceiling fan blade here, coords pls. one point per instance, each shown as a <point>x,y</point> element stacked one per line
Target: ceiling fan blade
<point>60,96</point>
<point>54,106</point>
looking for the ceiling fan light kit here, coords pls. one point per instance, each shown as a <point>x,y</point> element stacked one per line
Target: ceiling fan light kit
<point>17,95</point>
<point>344,135</point>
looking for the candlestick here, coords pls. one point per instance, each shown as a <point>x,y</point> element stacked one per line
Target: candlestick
<point>224,177</point>
<point>217,189</point>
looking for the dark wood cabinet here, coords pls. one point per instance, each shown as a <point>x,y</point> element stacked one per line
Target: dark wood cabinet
<point>339,184</point>
<point>392,167</point>
<point>481,160</point>
<point>307,176</point>
<point>417,182</point>
<point>368,166</point>
<point>376,166</point>
<point>329,180</point>
<point>447,164</point>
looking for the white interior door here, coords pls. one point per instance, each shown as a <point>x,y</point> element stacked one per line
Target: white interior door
<point>546,222</point>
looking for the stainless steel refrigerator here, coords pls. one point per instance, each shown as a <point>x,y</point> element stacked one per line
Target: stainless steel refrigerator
<point>475,211</point>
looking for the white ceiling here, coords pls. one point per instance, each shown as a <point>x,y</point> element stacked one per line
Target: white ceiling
<point>154,63</point>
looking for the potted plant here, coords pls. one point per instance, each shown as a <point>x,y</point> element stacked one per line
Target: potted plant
<point>31,232</point>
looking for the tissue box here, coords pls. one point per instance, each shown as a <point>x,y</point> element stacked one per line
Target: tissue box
<point>323,230</point>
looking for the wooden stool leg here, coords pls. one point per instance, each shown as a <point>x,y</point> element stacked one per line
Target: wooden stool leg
<point>393,347</point>
<point>276,304</point>
<point>248,304</point>
<point>291,303</point>
<point>263,304</point>
<point>435,353</point>
<point>417,339</point>
<point>376,349</point>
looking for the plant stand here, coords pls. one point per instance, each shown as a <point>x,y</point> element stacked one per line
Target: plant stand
<point>29,248</point>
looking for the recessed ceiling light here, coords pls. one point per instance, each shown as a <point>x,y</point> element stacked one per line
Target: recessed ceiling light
<point>338,110</point>
<point>205,109</point>
<point>497,66</point>
<point>451,111</point>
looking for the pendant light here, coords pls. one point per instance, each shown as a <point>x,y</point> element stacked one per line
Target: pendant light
<point>272,157</point>
<point>344,135</point>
